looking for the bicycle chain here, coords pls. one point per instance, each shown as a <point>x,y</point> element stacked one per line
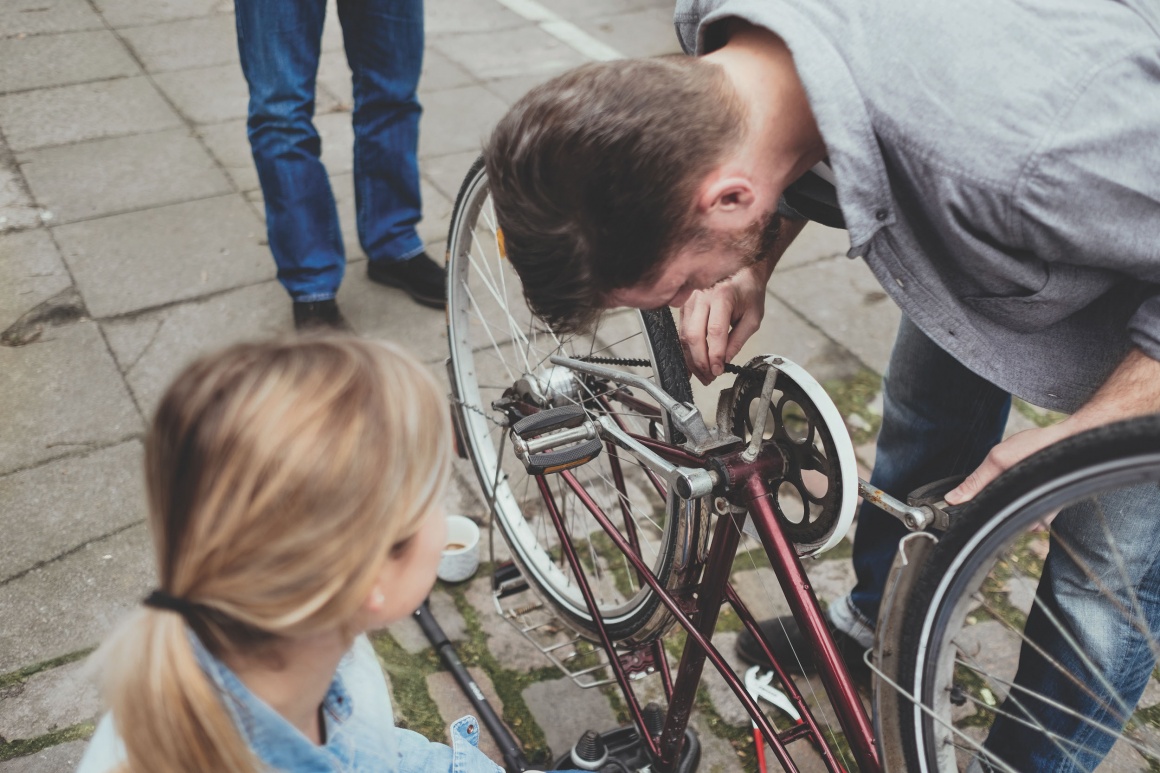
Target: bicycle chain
<point>626,362</point>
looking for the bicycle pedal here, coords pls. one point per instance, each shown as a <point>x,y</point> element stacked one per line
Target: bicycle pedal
<point>507,580</point>
<point>556,439</point>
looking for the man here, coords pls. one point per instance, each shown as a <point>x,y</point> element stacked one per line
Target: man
<point>280,42</point>
<point>997,168</point>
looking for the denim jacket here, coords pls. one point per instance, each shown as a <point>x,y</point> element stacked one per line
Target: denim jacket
<point>360,732</point>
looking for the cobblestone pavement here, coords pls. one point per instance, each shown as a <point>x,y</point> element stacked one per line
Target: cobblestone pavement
<point>131,239</point>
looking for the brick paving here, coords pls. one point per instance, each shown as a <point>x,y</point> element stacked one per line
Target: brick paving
<point>132,239</point>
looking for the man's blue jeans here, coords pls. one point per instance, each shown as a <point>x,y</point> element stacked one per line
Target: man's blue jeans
<point>939,419</point>
<point>280,42</point>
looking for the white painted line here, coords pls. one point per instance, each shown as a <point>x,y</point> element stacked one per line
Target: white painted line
<point>563,30</point>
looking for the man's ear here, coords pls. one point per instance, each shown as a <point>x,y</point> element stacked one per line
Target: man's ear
<point>726,200</point>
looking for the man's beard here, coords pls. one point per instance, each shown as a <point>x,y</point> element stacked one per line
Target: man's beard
<point>756,241</point>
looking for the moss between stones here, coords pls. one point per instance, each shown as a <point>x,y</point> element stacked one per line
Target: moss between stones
<point>16,677</point>
<point>853,397</point>
<point>24,747</point>
<point>416,710</point>
<point>1042,417</point>
<point>509,685</point>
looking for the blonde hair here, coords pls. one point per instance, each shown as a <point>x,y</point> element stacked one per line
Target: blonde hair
<point>280,477</point>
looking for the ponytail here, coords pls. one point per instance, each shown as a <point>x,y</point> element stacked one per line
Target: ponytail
<point>167,711</point>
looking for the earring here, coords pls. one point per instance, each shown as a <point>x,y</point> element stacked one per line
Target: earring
<point>379,598</point>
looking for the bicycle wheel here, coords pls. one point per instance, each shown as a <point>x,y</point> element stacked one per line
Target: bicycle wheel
<point>1032,629</point>
<point>499,372</point>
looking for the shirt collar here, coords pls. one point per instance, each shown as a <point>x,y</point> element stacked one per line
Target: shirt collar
<point>837,104</point>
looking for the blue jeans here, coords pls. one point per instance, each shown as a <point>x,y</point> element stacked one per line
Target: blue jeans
<point>279,42</point>
<point>939,419</point>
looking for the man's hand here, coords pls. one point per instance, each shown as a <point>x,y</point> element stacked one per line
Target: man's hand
<point>715,323</point>
<point>1133,389</point>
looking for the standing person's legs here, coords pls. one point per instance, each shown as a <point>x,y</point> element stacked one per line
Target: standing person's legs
<point>279,42</point>
<point>384,45</point>
<point>939,419</point>
<point>1094,625</point>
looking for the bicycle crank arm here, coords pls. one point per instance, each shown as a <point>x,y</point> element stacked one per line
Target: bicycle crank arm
<point>914,517</point>
<point>688,482</point>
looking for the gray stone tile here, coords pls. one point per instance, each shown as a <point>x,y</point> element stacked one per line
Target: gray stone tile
<point>458,120</point>
<point>54,699</point>
<point>58,60</point>
<point>453,704</point>
<point>758,587</point>
<point>646,32</point>
<point>48,510</point>
<point>436,214</point>
<point>447,16</point>
<point>505,53</point>
<point>31,272</point>
<point>441,73</point>
<point>569,9</point>
<point>508,645</point>
<point>228,144</point>
<point>60,395</point>
<point>446,173</point>
<point>55,759</point>
<point>17,209</point>
<point>180,45</point>
<point>207,94</point>
<point>376,311</point>
<point>564,712</point>
<point>73,603</point>
<point>856,312</point>
<point>784,332</point>
<point>135,13</point>
<point>37,17</point>
<point>511,89</point>
<point>117,175</point>
<point>88,111</point>
<point>153,347</point>
<point>814,243</point>
<point>142,259</point>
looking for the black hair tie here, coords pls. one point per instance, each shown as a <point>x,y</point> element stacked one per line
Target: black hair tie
<point>159,599</point>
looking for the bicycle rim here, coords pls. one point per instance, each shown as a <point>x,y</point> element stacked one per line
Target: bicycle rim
<point>994,657</point>
<point>499,352</point>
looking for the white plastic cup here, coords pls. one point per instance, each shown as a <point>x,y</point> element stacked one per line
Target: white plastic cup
<point>460,558</point>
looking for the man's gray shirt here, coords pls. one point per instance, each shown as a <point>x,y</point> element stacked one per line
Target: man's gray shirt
<point>998,168</point>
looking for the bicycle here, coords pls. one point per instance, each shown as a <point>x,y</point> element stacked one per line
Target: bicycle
<point>623,512</point>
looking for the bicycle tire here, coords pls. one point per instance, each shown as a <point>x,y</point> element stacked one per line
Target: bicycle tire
<point>981,545</point>
<point>640,618</point>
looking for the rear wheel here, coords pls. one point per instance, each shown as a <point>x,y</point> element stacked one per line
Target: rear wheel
<point>500,372</point>
<point>1032,630</point>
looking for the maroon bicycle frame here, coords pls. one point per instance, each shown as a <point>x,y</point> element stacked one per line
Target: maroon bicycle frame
<point>698,608</point>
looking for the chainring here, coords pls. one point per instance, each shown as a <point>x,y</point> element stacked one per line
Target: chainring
<point>816,494</point>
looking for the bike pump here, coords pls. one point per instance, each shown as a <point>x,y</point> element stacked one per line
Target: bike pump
<point>513,756</point>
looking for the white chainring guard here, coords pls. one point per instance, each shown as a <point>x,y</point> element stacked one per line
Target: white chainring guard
<point>835,427</point>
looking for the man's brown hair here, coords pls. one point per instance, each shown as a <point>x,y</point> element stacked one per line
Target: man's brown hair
<point>593,176</point>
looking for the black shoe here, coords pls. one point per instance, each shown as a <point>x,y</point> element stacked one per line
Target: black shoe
<point>319,316</point>
<point>420,277</point>
<point>789,647</point>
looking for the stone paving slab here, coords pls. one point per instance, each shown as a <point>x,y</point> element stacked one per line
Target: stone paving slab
<point>458,120</point>
<point>645,32</point>
<point>410,636</point>
<point>47,701</point>
<point>446,173</point>
<point>58,60</point>
<point>181,45</point>
<point>73,603</point>
<point>153,347</point>
<point>107,177</point>
<point>856,312</point>
<point>442,17</point>
<point>31,272</point>
<point>213,94</point>
<point>511,89</point>
<point>564,721</point>
<point>504,53</point>
<point>55,759</point>
<point>47,413</point>
<point>143,259</point>
<point>38,17</point>
<point>17,209</point>
<point>453,704</point>
<point>136,13</point>
<point>87,111</point>
<point>51,509</point>
<point>815,242</point>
